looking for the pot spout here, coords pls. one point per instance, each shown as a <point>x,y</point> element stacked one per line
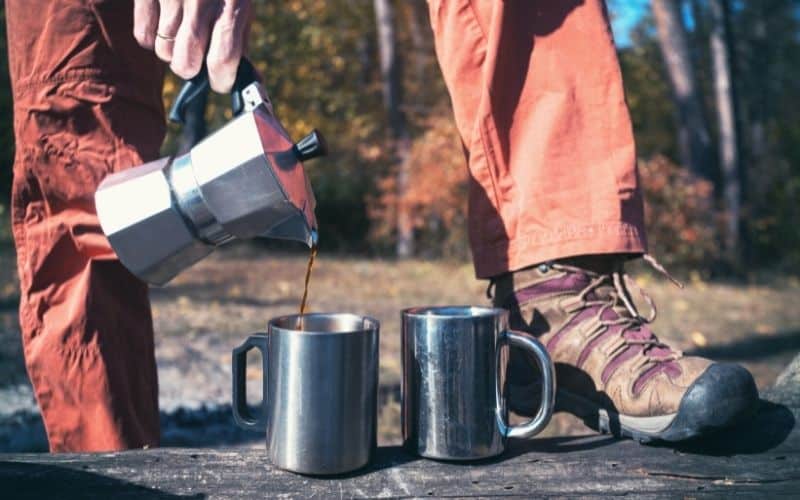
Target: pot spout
<point>295,228</point>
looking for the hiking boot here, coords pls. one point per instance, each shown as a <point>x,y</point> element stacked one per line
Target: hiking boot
<point>611,369</point>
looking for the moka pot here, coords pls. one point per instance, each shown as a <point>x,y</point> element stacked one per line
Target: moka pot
<point>244,181</point>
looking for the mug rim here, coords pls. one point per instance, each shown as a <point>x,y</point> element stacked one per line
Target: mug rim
<point>458,311</point>
<point>371,323</point>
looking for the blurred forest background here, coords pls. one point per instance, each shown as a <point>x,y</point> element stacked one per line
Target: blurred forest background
<point>713,87</point>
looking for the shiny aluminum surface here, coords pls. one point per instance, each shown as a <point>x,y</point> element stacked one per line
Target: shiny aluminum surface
<point>250,179</point>
<point>321,386</point>
<point>453,391</point>
<point>244,181</point>
<point>145,226</point>
<point>191,204</point>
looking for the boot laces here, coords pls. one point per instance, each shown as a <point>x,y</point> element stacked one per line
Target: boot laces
<point>620,301</point>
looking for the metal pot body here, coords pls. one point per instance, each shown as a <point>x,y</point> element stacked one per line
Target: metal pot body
<point>244,181</point>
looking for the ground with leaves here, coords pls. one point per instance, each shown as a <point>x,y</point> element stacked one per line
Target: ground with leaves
<point>208,310</point>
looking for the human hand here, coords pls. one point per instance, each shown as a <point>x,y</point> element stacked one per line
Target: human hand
<point>183,32</point>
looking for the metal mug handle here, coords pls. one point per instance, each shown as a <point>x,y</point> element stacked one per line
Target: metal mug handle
<point>542,417</point>
<point>241,412</point>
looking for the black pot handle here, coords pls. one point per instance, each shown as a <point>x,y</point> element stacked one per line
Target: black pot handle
<point>245,75</point>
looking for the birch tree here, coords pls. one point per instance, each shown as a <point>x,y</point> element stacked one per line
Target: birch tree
<point>392,100</point>
<point>719,39</point>
<point>694,140</point>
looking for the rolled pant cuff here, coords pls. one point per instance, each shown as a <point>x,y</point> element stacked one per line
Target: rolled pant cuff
<point>496,258</point>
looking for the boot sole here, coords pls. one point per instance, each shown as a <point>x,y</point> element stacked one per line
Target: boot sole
<point>722,396</point>
<point>642,429</point>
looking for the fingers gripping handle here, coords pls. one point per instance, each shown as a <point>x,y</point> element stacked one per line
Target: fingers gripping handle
<point>548,377</point>
<point>245,75</point>
<point>241,411</point>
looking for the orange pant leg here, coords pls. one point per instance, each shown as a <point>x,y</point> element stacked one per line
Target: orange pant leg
<point>86,102</point>
<point>538,100</point>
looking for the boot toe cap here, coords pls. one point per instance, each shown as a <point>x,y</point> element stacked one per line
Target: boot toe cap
<point>723,395</point>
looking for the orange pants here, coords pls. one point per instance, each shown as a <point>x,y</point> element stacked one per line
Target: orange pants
<point>87,101</point>
<point>538,100</point>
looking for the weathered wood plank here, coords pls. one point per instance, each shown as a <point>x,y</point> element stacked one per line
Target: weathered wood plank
<point>607,469</point>
<point>757,459</point>
<point>595,465</point>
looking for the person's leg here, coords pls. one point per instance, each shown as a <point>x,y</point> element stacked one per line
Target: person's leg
<point>87,101</point>
<point>555,209</point>
<point>538,99</point>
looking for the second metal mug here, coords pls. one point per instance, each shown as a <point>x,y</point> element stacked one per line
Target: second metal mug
<point>320,391</point>
<point>453,391</point>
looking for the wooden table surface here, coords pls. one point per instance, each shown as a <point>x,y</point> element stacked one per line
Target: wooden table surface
<point>758,459</point>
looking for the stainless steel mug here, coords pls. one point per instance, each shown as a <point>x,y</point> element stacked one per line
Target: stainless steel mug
<point>453,391</point>
<point>320,387</point>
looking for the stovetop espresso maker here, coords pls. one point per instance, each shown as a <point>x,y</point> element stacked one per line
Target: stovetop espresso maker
<point>246,180</point>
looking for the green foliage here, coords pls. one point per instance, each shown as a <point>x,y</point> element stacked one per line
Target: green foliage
<point>312,56</point>
<point>768,60</point>
<point>648,94</point>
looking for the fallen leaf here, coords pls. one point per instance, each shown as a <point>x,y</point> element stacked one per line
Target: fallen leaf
<point>764,329</point>
<point>681,305</point>
<point>698,339</point>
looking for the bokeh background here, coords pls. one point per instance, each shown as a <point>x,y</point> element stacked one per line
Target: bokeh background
<point>719,154</point>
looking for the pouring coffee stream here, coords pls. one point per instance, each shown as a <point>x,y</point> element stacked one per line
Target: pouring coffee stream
<point>303,302</point>
<point>244,181</point>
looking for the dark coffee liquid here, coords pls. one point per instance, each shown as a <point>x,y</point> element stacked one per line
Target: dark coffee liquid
<point>304,302</point>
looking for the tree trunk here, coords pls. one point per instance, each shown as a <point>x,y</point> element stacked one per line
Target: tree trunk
<point>697,40</point>
<point>726,114</point>
<point>417,37</point>
<point>758,95</point>
<point>392,98</point>
<point>694,139</point>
